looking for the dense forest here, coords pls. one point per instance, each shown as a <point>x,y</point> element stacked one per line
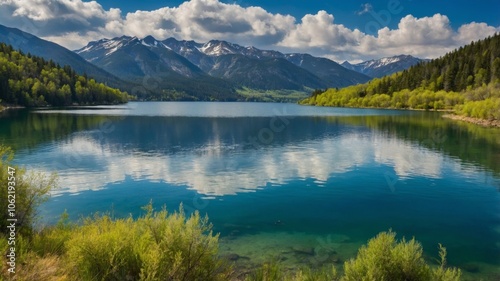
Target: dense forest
<point>27,80</point>
<point>466,80</point>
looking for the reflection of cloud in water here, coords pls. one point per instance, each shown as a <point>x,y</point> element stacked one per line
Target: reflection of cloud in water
<point>220,170</point>
<point>408,160</point>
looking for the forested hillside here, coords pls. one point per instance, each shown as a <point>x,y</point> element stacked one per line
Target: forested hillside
<point>32,81</point>
<point>466,80</point>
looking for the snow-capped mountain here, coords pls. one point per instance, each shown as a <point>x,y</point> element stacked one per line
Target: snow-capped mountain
<point>131,57</point>
<point>384,66</point>
<point>216,48</point>
<point>106,47</point>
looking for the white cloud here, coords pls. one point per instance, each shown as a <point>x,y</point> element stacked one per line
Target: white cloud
<point>72,23</point>
<point>365,8</point>
<point>426,37</point>
<point>474,31</point>
<point>319,31</point>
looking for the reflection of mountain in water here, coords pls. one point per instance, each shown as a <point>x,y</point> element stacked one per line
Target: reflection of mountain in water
<point>218,156</point>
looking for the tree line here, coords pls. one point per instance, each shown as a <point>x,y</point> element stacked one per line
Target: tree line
<point>466,80</point>
<point>29,81</point>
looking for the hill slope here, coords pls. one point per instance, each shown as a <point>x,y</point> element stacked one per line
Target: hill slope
<point>29,43</point>
<point>32,81</point>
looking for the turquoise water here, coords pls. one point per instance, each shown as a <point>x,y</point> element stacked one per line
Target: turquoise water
<point>307,185</point>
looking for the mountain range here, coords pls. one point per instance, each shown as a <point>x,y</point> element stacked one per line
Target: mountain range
<point>384,66</point>
<point>174,69</point>
<point>133,58</point>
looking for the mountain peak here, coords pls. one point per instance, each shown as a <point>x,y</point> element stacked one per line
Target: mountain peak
<point>346,64</point>
<point>218,48</point>
<point>150,41</point>
<point>108,46</point>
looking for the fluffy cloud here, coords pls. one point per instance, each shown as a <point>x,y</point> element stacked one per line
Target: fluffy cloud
<point>426,37</point>
<point>73,23</point>
<point>208,19</point>
<point>319,31</point>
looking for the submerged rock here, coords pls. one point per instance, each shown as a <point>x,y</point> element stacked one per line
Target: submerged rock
<point>303,250</point>
<point>235,257</point>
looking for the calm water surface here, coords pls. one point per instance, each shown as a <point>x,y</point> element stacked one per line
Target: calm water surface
<point>306,184</point>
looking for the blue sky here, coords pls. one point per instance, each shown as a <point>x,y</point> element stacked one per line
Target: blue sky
<point>339,30</point>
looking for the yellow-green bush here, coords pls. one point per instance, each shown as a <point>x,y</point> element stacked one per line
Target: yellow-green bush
<point>384,258</point>
<point>483,109</point>
<point>157,246</point>
<point>180,248</point>
<point>105,249</point>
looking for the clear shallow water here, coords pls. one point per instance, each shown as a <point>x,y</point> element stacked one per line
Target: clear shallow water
<point>304,183</point>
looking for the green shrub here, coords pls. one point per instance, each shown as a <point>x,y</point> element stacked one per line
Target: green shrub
<point>180,248</point>
<point>442,273</point>
<point>384,258</point>
<point>157,246</point>
<point>31,189</point>
<point>104,249</point>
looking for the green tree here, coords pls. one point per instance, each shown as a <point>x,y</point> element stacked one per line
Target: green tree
<point>24,80</point>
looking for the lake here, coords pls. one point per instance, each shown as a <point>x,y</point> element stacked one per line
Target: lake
<point>306,185</point>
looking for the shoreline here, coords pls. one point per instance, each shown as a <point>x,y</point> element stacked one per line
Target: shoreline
<point>449,114</point>
<point>6,107</point>
<point>472,120</point>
